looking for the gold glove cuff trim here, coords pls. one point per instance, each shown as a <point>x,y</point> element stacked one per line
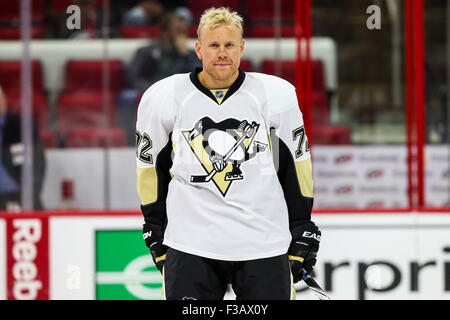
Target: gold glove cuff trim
<point>300,259</point>
<point>163,257</point>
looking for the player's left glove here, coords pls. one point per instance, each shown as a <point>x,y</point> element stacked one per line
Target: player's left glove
<point>153,238</point>
<point>303,249</point>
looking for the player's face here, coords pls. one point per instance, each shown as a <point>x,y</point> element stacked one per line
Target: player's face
<point>220,50</point>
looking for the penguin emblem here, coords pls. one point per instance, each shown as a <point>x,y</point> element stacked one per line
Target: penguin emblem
<point>221,148</point>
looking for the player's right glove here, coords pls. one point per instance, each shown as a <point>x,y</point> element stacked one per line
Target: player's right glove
<point>153,238</point>
<point>303,249</point>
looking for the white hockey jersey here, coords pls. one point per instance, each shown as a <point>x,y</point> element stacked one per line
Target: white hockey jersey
<point>229,179</point>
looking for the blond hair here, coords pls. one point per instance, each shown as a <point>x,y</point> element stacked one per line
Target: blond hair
<point>217,17</point>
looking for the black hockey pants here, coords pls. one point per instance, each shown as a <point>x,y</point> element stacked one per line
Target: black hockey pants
<point>188,276</point>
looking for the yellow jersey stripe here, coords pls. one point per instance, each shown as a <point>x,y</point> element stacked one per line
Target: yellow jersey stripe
<point>147,185</point>
<point>304,175</point>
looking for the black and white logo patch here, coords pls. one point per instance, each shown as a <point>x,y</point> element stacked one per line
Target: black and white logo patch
<point>221,148</point>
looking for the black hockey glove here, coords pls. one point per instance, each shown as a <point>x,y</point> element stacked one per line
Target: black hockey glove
<point>154,241</point>
<point>303,250</point>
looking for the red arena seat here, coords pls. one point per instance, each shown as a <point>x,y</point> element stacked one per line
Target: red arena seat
<point>331,135</point>
<point>320,109</point>
<point>87,75</point>
<point>84,110</point>
<point>10,76</point>
<point>246,65</point>
<point>264,10</point>
<point>198,7</point>
<point>10,11</point>
<point>91,138</point>
<point>192,33</point>
<point>146,32</point>
<point>49,138</point>
<point>14,33</point>
<point>40,107</point>
<point>268,31</point>
<point>287,68</point>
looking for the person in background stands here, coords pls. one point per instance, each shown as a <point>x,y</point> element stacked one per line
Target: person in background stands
<point>167,55</point>
<point>146,12</point>
<point>11,160</point>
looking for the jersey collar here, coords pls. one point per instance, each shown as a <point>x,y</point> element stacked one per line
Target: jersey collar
<point>234,87</point>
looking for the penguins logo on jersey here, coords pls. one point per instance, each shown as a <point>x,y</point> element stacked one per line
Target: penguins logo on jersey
<point>221,148</point>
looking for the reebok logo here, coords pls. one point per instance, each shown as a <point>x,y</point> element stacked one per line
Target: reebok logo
<point>27,259</point>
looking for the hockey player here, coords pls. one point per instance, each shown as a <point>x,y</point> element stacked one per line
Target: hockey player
<point>224,175</point>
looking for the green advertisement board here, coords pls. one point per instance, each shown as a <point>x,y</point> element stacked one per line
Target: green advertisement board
<point>124,267</point>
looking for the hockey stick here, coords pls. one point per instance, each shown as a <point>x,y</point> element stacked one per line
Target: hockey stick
<point>208,177</point>
<point>314,286</point>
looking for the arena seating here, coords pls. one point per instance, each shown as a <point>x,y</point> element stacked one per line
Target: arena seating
<point>79,103</point>
<point>40,107</point>
<point>259,17</point>
<point>10,12</point>
<point>87,75</point>
<point>287,69</point>
<point>10,80</point>
<point>82,105</point>
<point>320,109</point>
<point>331,135</point>
<point>146,32</point>
<point>84,110</point>
<point>15,34</point>
<point>97,137</point>
<point>268,31</point>
<point>263,11</point>
<point>49,138</point>
<point>10,76</point>
<point>60,6</point>
<point>323,131</point>
<point>10,19</point>
<point>247,65</point>
<point>198,7</point>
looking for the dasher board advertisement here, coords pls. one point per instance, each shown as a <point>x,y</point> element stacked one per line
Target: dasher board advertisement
<point>389,255</point>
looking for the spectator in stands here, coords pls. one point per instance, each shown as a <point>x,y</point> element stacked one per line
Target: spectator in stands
<point>11,160</point>
<point>151,12</point>
<point>165,56</point>
<point>145,12</point>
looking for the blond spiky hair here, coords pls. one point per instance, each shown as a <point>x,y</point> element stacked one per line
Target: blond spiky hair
<point>216,17</point>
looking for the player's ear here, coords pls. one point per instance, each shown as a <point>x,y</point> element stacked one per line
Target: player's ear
<point>197,49</point>
<point>242,46</point>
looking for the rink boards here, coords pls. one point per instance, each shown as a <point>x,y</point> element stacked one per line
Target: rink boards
<point>101,255</point>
